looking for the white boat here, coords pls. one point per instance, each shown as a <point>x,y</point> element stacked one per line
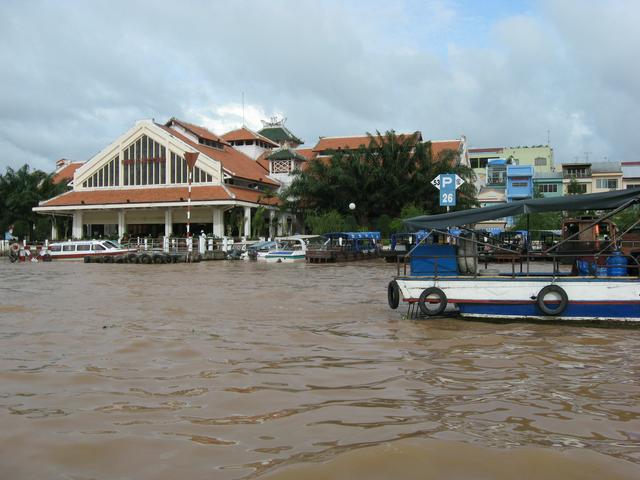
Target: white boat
<point>79,249</point>
<point>445,275</point>
<point>258,250</point>
<point>291,249</point>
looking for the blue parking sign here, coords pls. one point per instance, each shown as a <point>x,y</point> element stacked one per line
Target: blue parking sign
<point>447,189</point>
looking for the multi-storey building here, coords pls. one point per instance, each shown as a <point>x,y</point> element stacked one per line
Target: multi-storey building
<point>591,177</point>
<point>540,158</point>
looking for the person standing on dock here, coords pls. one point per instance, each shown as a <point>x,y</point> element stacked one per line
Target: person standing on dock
<point>8,235</point>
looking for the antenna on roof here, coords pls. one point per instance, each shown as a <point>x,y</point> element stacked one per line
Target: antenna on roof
<point>243,124</point>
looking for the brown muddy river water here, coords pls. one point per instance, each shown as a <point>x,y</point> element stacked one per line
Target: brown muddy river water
<point>230,370</point>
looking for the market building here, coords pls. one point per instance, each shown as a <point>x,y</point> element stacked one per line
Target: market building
<point>138,185</point>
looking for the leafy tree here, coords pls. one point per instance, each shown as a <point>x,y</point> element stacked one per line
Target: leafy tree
<point>627,218</point>
<point>408,211</point>
<point>539,221</point>
<point>20,191</point>
<point>331,221</point>
<point>392,171</point>
<point>260,222</point>
<point>574,187</point>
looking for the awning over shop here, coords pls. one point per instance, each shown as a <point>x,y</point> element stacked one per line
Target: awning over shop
<point>593,201</point>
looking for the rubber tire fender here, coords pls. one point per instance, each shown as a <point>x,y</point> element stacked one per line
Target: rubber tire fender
<point>158,259</point>
<point>423,298</point>
<point>393,294</point>
<point>145,258</point>
<point>564,300</point>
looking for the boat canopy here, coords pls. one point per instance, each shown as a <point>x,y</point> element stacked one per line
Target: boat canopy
<point>353,235</point>
<point>591,201</point>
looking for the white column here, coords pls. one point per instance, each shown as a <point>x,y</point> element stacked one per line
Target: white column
<point>280,224</point>
<point>122,223</point>
<point>247,222</point>
<point>272,228</point>
<point>218,222</point>
<point>168,222</point>
<point>77,224</point>
<point>54,229</point>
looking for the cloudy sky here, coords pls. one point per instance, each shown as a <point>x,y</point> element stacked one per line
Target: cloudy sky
<point>77,74</point>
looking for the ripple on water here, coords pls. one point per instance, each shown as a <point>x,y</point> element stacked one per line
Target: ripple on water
<point>296,371</point>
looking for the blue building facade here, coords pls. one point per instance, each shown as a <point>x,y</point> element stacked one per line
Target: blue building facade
<point>519,182</point>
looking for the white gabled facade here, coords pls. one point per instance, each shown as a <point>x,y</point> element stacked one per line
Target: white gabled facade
<point>138,185</point>
<point>154,137</point>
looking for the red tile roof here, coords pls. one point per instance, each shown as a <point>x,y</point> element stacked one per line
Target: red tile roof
<point>307,153</point>
<point>245,134</point>
<point>236,163</point>
<point>340,143</point>
<point>439,146</point>
<point>352,142</point>
<point>195,129</point>
<point>65,174</point>
<point>262,161</point>
<point>157,195</point>
<point>486,150</point>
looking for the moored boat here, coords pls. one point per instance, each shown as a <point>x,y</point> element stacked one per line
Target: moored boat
<point>291,249</point>
<point>602,286</point>
<point>79,249</point>
<point>346,246</point>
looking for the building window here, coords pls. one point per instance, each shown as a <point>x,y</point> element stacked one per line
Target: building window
<point>540,162</point>
<point>479,162</point>
<point>144,163</point>
<point>577,172</point>
<point>633,185</point>
<point>179,171</point>
<point>519,184</point>
<point>548,188</point>
<point>609,183</point>
<point>496,175</point>
<point>280,166</point>
<point>580,188</point>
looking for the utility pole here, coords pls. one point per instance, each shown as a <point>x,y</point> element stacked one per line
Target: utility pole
<point>190,158</point>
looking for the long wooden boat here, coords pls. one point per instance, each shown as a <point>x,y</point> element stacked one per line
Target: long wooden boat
<point>602,286</point>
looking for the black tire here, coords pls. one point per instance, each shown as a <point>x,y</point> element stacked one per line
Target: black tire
<point>87,259</point>
<point>107,259</point>
<point>46,257</point>
<point>442,301</point>
<point>158,259</point>
<point>544,308</point>
<point>145,258</point>
<point>393,294</point>
<point>131,258</point>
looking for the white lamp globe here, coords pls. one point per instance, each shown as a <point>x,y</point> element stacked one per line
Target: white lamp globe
<point>352,206</point>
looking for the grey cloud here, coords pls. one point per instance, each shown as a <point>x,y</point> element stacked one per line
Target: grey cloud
<point>82,72</point>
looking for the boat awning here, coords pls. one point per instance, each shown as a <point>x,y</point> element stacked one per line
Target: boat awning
<point>592,201</point>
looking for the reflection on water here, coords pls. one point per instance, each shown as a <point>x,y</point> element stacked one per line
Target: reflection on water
<point>241,369</point>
